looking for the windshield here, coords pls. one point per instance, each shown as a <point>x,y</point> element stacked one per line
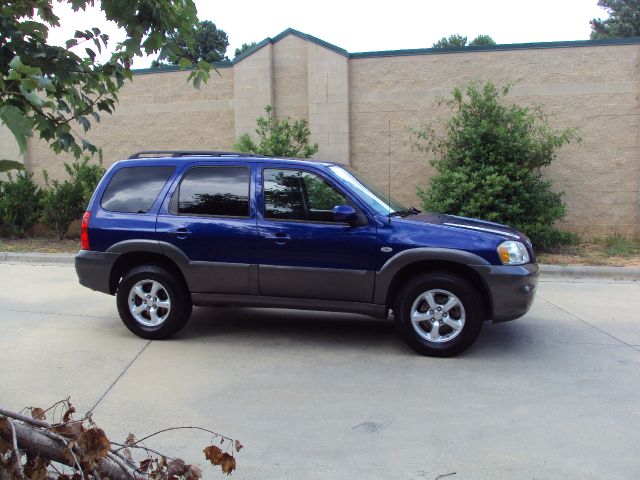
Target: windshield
<point>375,199</point>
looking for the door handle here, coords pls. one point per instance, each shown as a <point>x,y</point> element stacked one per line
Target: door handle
<point>281,238</point>
<point>182,232</point>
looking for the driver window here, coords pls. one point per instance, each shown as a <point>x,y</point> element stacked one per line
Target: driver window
<point>299,195</point>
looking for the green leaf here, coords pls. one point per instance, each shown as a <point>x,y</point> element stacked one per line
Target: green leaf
<point>71,43</point>
<point>7,165</point>
<point>85,123</point>
<point>66,140</point>
<point>45,83</point>
<point>31,96</point>
<point>16,63</point>
<point>18,123</point>
<point>185,63</point>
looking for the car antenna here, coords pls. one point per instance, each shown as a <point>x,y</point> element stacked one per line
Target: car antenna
<point>389,172</point>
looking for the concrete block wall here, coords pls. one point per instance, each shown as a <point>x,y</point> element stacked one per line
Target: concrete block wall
<point>593,89</point>
<point>9,149</point>
<point>328,99</point>
<point>252,90</point>
<point>362,108</point>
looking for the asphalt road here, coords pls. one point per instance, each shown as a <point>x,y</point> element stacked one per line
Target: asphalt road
<point>553,395</point>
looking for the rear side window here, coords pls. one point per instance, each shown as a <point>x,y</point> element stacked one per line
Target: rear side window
<point>134,189</point>
<point>216,191</point>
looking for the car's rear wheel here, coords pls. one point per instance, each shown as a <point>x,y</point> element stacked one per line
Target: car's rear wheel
<point>439,314</point>
<point>152,303</point>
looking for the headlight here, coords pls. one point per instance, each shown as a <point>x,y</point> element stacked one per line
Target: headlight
<point>513,253</point>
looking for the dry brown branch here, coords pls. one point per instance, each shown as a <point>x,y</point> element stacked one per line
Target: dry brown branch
<point>80,445</point>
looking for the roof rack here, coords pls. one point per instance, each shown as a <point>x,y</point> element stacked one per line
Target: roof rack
<point>190,153</point>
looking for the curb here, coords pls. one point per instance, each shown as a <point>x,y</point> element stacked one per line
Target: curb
<point>35,258</point>
<point>585,271</point>
<point>546,271</point>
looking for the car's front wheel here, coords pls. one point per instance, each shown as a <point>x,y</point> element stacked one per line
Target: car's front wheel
<point>152,303</point>
<point>439,314</point>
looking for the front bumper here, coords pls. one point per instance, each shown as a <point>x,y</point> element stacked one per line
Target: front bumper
<point>512,289</point>
<point>94,269</point>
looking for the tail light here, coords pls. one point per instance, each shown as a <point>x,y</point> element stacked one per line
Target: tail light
<point>84,231</point>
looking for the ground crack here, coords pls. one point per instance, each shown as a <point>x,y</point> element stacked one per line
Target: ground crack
<point>590,324</point>
<point>119,377</point>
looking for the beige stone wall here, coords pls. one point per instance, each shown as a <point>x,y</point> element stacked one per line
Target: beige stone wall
<point>290,97</point>
<point>361,112</point>
<point>253,89</point>
<point>594,89</point>
<point>328,97</point>
<point>9,149</point>
<point>156,111</point>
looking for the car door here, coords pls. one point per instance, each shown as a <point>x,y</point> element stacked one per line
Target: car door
<point>303,252</point>
<point>209,217</point>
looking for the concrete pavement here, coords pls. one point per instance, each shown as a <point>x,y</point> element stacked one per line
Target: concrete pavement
<point>322,395</point>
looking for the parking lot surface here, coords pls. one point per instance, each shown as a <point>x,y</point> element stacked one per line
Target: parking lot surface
<point>315,395</point>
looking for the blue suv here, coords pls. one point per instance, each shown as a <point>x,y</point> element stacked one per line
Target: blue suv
<point>168,230</point>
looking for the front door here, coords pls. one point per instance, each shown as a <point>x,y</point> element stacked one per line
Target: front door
<point>303,252</point>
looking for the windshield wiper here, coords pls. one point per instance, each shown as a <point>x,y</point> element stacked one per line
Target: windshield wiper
<point>404,212</point>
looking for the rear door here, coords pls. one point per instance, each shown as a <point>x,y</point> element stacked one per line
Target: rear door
<point>302,251</point>
<point>210,218</point>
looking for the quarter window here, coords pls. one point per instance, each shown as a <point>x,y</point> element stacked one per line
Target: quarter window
<point>134,189</point>
<point>217,191</point>
<point>299,195</point>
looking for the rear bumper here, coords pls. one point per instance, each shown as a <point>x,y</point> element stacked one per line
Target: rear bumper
<point>94,269</point>
<point>512,289</point>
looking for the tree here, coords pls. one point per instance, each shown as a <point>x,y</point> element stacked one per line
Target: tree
<point>66,201</point>
<point>244,47</point>
<point>210,45</point>
<point>482,40</point>
<point>457,40</point>
<point>623,21</point>
<point>279,138</point>
<point>454,40</point>
<point>59,91</point>
<point>489,163</point>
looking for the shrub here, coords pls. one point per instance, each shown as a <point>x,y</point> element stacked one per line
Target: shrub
<point>279,138</point>
<point>488,164</point>
<point>19,204</point>
<point>64,202</point>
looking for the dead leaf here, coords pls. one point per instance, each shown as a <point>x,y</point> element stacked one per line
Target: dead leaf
<point>213,454</point>
<point>131,439</point>
<point>5,447</point>
<point>161,464</point>
<point>71,429</point>
<point>144,465</point>
<point>94,445</point>
<point>68,453</point>
<point>5,431</point>
<point>177,468</point>
<point>36,468</point>
<point>193,473</point>
<point>67,415</point>
<point>228,464</point>
<point>238,445</point>
<point>37,413</point>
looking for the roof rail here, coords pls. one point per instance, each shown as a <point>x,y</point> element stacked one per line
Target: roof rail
<point>190,153</point>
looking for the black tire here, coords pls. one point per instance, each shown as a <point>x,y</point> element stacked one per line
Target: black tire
<point>446,341</point>
<point>174,291</point>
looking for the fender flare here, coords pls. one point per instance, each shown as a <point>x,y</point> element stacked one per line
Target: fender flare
<point>386,274</point>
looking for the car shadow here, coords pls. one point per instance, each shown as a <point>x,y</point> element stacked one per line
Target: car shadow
<point>338,330</point>
<point>292,326</point>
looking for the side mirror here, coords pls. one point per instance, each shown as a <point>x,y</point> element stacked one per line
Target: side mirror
<point>345,214</point>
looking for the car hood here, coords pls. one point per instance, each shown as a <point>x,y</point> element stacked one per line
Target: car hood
<point>468,224</point>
